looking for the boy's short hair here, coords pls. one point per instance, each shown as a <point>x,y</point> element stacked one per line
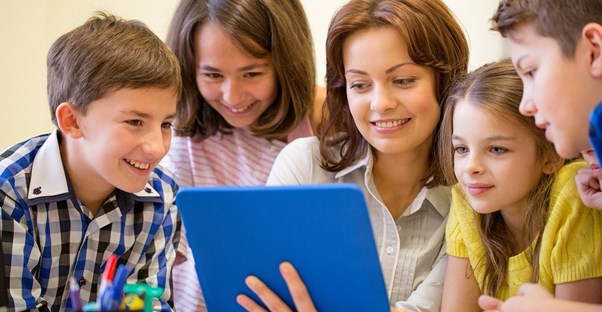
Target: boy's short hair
<point>562,20</point>
<point>106,54</point>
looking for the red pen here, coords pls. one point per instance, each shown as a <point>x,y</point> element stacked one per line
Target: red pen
<point>110,267</point>
<point>107,276</point>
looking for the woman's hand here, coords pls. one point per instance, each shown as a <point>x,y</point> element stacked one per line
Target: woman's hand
<point>296,287</point>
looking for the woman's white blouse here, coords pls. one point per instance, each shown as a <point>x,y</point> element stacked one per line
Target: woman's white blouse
<point>411,249</point>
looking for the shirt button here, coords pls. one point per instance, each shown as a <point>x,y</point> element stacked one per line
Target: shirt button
<point>82,281</point>
<point>389,250</point>
<point>399,228</point>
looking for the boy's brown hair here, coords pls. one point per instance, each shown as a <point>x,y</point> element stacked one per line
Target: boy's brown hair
<point>433,38</point>
<point>106,54</point>
<point>561,20</point>
<point>263,28</point>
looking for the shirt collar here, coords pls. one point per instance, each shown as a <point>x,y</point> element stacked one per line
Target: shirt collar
<point>417,202</point>
<point>47,173</point>
<point>438,196</point>
<point>48,178</point>
<point>365,161</point>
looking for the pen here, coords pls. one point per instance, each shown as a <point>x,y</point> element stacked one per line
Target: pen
<point>120,277</point>
<point>107,277</point>
<point>112,296</point>
<point>109,298</point>
<point>76,303</point>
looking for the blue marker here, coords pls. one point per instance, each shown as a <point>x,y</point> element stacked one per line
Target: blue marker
<point>76,303</point>
<point>120,277</point>
<point>112,296</point>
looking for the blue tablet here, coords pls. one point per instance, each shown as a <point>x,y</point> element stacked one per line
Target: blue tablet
<point>323,230</point>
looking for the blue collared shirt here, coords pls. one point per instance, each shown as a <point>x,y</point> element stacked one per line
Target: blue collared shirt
<point>48,235</point>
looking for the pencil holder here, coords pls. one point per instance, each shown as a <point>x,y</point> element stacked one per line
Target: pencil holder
<point>138,297</point>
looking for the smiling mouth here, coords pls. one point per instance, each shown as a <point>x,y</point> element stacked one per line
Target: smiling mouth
<point>137,164</point>
<point>477,189</point>
<point>239,110</point>
<point>391,123</point>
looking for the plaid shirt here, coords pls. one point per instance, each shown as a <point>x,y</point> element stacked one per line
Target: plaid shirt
<point>49,236</point>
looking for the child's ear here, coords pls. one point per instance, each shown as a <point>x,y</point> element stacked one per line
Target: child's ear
<point>553,162</point>
<point>592,34</point>
<point>67,120</point>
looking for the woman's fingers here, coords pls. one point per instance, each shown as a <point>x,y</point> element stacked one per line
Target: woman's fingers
<point>267,296</point>
<point>248,303</point>
<point>297,288</point>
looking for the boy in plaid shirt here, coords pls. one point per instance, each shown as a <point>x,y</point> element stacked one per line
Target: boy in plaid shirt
<point>92,188</point>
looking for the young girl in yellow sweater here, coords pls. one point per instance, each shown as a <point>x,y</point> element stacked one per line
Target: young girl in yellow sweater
<point>516,215</point>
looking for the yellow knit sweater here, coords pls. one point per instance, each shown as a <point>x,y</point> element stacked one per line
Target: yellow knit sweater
<point>571,247</point>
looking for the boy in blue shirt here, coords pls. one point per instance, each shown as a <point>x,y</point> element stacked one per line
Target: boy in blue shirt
<point>556,47</point>
<point>92,188</point>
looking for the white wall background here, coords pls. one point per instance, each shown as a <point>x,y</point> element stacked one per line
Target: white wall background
<point>28,28</point>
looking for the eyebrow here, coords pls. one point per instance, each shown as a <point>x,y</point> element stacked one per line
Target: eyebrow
<point>244,68</point>
<point>145,115</point>
<point>491,139</point>
<point>388,71</point>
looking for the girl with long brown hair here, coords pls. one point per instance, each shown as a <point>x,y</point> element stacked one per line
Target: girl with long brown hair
<point>249,89</point>
<point>516,215</point>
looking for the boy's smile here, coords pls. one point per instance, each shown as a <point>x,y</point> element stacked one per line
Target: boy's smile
<point>120,140</point>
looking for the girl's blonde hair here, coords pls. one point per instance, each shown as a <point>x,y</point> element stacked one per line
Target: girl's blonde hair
<point>497,88</point>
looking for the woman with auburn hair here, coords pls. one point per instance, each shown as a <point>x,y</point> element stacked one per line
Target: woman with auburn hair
<point>390,64</point>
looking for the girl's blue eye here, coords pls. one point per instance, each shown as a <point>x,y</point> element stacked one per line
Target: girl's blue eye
<point>461,149</point>
<point>498,150</point>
